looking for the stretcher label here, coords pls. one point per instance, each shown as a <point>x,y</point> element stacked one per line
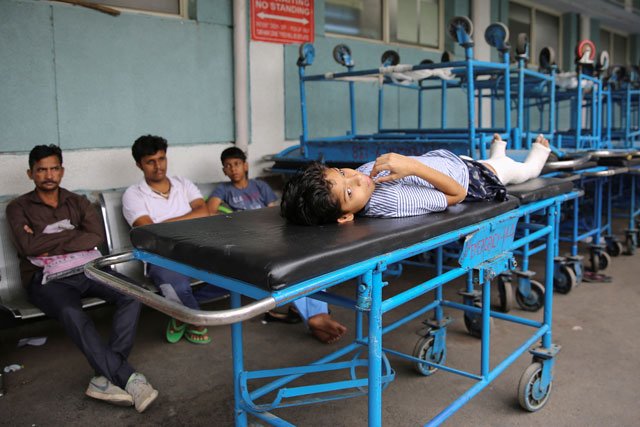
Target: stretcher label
<point>282,21</point>
<point>488,242</point>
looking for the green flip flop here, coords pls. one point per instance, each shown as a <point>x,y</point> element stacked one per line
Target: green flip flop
<point>194,336</point>
<point>175,332</point>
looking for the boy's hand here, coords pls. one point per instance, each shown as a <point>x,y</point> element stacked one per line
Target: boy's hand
<point>398,166</point>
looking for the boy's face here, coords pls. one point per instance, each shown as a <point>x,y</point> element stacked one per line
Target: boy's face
<point>154,166</point>
<point>235,169</point>
<point>351,188</point>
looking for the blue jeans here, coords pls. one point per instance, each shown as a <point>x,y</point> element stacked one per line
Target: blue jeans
<point>309,307</point>
<point>61,300</point>
<point>174,286</point>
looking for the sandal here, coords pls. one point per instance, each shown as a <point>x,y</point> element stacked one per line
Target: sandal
<point>198,336</point>
<point>290,317</point>
<point>591,277</point>
<point>175,332</point>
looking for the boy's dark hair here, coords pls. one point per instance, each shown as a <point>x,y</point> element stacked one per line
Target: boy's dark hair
<point>307,198</point>
<point>148,145</point>
<point>233,153</point>
<point>39,152</point>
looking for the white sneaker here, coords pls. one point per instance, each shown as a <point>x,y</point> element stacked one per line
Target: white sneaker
<point>101,388</point>
<point>141,391</point>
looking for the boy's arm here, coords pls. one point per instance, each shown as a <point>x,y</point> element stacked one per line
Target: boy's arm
<point>400,166</point>
<point>213,204</point>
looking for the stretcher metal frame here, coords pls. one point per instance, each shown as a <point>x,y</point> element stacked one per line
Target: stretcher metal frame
<point>483,259</point>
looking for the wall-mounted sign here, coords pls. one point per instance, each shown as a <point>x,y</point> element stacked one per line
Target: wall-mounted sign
<point>282,21</point>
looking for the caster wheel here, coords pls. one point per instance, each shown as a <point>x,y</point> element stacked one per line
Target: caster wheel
<point>565,281</point>
<point>342,55</point>
<point>631,246</point>
<point>600,262</point>
<point>603,61</point>
<point>614,248</point>
<point>306,53</point>
<point>390,57</point>
<point>497,35</point>
<point>460,22</point>
<point>522,44</point>
<point>547,58</point>
<point>535,300</point>
<point>424,351</point>
<point>473,322</point>
<point>505,294</point>
<point>586,51</point>
<point>530,395</point>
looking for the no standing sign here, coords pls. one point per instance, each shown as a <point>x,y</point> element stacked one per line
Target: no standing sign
<point>282,21</point>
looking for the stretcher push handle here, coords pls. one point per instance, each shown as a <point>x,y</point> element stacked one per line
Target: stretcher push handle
<point>93,270</point>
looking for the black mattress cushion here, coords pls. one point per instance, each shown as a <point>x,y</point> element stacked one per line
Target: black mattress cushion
<point>259,247</point>
<point>540,188</point>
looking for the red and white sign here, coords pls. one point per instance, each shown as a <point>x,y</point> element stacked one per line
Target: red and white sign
<point>282,21</point>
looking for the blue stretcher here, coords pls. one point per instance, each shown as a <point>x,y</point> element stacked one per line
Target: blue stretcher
<point>257,254</point>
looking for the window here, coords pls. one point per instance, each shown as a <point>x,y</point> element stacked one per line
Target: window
<point>160,6</point>
<point>362,18</point>
<point>542,28</point>
<point>415,22</point>
<point>616,45</point>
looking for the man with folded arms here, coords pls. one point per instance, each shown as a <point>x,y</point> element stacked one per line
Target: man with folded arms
<point>55,232</point>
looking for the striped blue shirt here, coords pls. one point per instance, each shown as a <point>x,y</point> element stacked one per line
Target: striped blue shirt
<point>411,195</point>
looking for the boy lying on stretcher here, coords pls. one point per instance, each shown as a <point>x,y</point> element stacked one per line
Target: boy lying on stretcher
<point>397,186</point>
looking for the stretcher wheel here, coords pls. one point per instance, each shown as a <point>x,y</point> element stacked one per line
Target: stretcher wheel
<point>547,58</point>
<point>531,395</point>
<point>603,61</point>
<point>473,322</point>
<point>446,56</point>
<point>585,51</point>
<point>424,351</point>
<point>390,57</point>
<point>535,300</point>
<point>522,44</point>
<point>342,55</point>
<point>565,280</point>
<point>497,35</point>
<point>463,23</point>
<point>426,61</point>
<point>505,294</point>
<point>614,248</point>
<point>631,245</point>
<point>306,54</point>
<point>600,261</point>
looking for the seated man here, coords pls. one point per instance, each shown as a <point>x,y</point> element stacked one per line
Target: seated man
<point>52,226</point>
<point>243,193</point>
<point>159,198</point>
<point>397,186</point>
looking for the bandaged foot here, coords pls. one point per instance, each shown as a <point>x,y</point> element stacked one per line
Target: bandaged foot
<point>498,147</point>
<point>538,154</point>
<point>325,329</point>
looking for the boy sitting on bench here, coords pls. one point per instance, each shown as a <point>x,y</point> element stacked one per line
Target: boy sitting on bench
<point>398,186</point>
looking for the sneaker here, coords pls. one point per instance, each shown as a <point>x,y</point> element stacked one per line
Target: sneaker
<point>101,388</point>
<point>141,391</point>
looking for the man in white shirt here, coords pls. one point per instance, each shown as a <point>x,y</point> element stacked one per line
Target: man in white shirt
<point>160,198</point>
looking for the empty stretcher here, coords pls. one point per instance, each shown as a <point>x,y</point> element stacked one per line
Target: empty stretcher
<point>257,254</point>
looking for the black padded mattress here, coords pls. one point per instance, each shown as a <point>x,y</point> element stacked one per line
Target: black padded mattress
<point>540,188</point>
<point>260,248</point>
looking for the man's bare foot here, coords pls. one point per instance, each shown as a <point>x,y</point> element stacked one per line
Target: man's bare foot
<point>540,139</point>
<point>325,329</point>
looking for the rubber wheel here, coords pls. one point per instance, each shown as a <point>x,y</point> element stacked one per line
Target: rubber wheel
<point>522,45</point>
<point>390,57</point>
<point>546,58</point>
<point>601,260</point>
<point>564,282</point>
<point>603,62</point>
<point>496,35</point>
<point>586,47</point>
<point>306,52</point>
<point>460,21</point>
<point>473,322</point>
<point>535,300</point>
<point>631,246</point>
<point>505,294</point>
<point>530,396</point>
<point>614,248</point>
<point>424,350</point>
<point>340,53</point>
<point>426,61</point>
